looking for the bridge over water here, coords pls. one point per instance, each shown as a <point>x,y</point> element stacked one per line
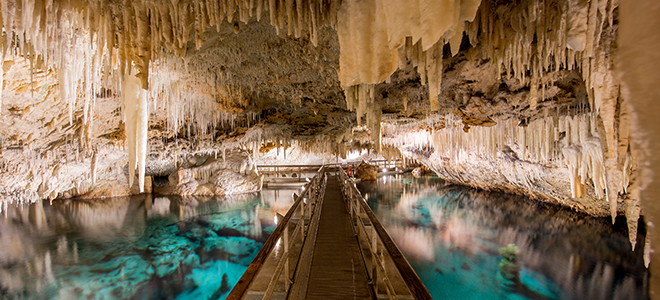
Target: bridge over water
<point>329,245</point>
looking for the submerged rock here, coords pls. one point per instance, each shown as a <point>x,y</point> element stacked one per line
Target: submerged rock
<point>509,267</point>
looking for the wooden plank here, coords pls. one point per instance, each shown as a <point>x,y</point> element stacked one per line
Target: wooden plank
<point>299,288</point>
<point>337,270</point>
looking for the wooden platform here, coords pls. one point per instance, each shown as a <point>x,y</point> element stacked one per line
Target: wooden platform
<point>337,270</point>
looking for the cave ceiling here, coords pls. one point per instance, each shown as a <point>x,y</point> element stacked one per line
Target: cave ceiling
<point>510,87</point>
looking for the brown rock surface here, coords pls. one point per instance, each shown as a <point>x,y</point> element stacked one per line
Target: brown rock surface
<point>366,172</point>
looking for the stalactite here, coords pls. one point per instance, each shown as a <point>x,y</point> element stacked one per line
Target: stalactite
<point>93,168</point>
<point>579,149</point>
<point>434,69</point>
<point>136,115</point>
<point>58,32</point>
<point>524,40</point>
<point>647,251</point>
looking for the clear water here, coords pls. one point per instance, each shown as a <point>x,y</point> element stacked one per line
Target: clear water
<point>451,236</point>
<point>134,248</point>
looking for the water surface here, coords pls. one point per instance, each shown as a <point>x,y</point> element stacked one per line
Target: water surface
<point>452,235</point>
<point>134,248</point>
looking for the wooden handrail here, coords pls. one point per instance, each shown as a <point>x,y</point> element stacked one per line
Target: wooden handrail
<point>373,161</point>
<point>243,284</point>
<point>415,285</point>
<point>289,166</point>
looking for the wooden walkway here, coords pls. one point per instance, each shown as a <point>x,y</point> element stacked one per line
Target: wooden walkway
<point>337,270</point>
<point>319,250</point>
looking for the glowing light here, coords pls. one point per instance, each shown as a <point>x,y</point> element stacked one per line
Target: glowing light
<point>353,154</point>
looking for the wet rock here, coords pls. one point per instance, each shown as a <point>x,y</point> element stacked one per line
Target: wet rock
<point>205,190</point>
<point>419,171</point>
<point>366,171</point>
<point>181,182</point>
<point>236,174</point>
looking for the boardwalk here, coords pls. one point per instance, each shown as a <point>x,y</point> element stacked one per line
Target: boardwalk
<point>314,253</point>
<point>337,270</point>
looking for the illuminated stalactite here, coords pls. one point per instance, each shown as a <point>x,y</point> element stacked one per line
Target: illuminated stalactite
<point>556,141</point>
<point>525,41</point>
<point>134,35</point>
<point>522,41</point>
<point>134,100</point>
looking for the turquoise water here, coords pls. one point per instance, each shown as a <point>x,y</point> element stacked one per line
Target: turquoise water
<point>198,248</point>
<point>134,248</point>
<point>451,236</point>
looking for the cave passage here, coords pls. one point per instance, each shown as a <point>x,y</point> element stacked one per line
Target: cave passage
<point>549,99</point>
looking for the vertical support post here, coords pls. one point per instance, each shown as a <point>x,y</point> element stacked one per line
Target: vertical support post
<point>374,256</point>
<point>303,230</point>
<point>285,239</point>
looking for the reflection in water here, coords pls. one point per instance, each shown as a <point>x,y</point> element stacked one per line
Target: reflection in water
<point>452,235</point>
<point>134,248</point>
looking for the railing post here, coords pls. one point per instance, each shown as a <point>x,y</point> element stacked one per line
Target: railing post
<point>285,239</point>
<point>374,256</point>
<point>302,216</point>
<point>303,232</point>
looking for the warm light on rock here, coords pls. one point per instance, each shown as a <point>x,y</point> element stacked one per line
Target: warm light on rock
<point>519,96</point>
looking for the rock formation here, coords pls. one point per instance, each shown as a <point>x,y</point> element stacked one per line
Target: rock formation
<point>366,171</point>
<point>519,96</point>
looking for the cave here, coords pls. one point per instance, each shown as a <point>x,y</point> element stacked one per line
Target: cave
<point>151,123</point>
